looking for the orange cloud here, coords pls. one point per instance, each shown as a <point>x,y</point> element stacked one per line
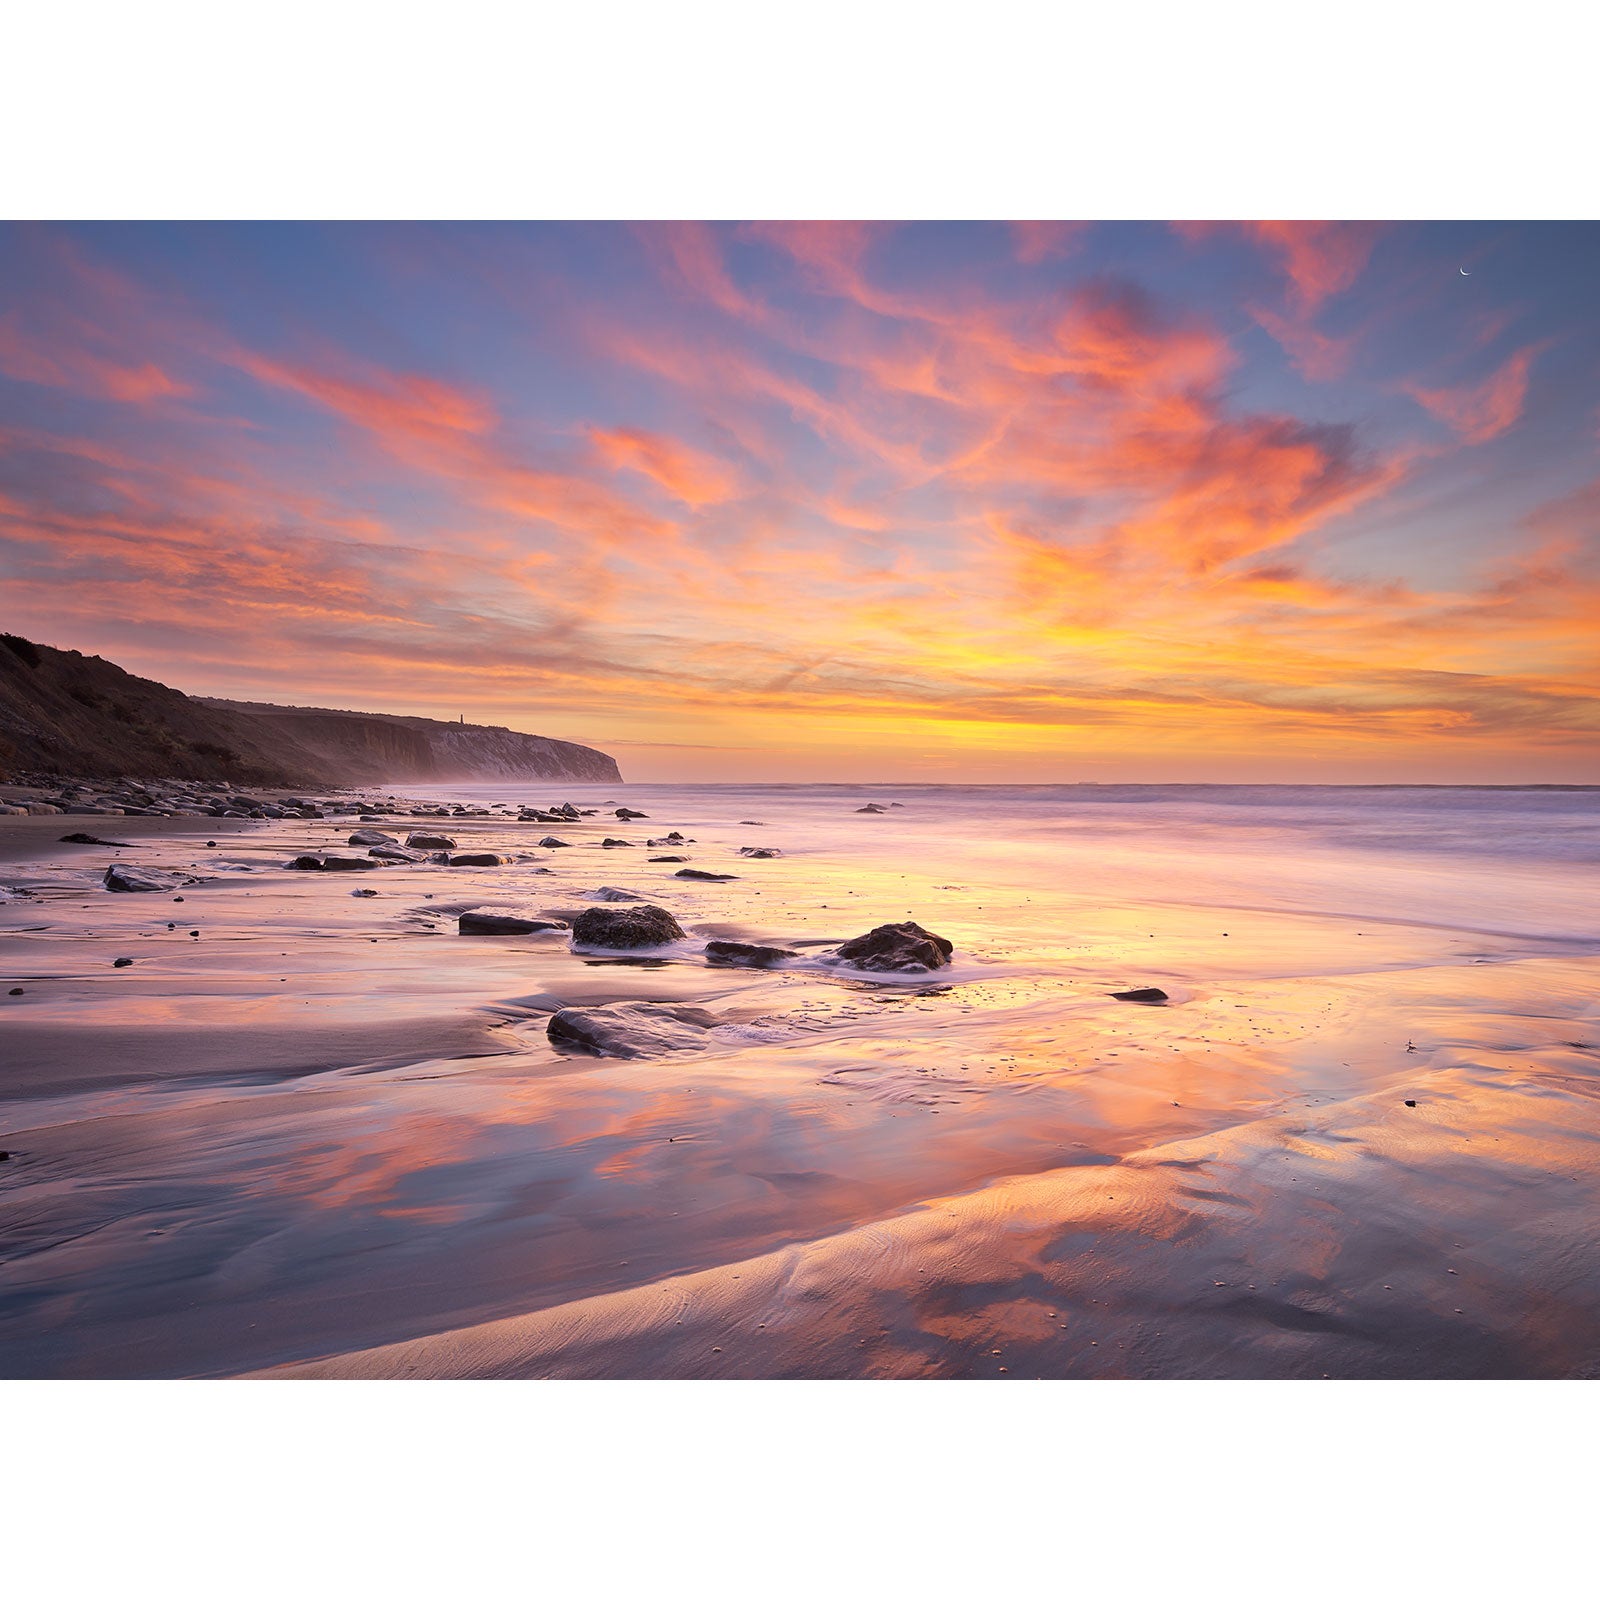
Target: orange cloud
<point>1316,355</point>
<point>1483,411</point>
<point>1320,259</point>
<point>688,475</point>
<point>65,360</point>
<point>390,404</point>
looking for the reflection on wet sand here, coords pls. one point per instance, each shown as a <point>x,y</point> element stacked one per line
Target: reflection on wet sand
<point>330,1137</point>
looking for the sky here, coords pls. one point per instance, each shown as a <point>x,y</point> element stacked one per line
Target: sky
<point>930,502</point>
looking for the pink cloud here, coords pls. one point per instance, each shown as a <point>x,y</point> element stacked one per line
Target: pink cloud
<point>1482,411</point>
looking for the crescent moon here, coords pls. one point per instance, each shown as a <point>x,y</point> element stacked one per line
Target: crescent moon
<point>1463,271</point>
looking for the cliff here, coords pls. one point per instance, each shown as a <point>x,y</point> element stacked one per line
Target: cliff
<point>392,749</point>
<point>68,713</point>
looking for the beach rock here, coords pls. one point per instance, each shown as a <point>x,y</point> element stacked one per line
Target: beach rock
<point>493,922</point>
<point>550,842</point>
<point>632,929</point>
<point>89,838</point>
<point>631,1028</point>
<point>897,947</point>
<point>607,892</point>
<point>123,961</point>
<point>482,858</point>
<point>874,808</point>
<point>616,844</point>
<point>666,858</point>
<point>623,814</point>
<point>429,841</point>
<point>13,811</point>
<point>315,863</point>
<point>1144,997</point>
<point>705,877</point>
<point>138,880</point>
<point>394,852</point>
<point>673,838</point>
<point>759,853</point>
<point>366,836</point>
<point>731,953</point>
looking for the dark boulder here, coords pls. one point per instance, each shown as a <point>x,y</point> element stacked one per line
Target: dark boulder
<point>705,877</point>
<point>371,836</point>
<point>311,863</point>
<point>631,1028</point>
<point>550,842</point>
<point>897,947</point>
<point>874,808</point>
<point>479,858</point>
<point>759,852</point>
<point>666,858</point>
<point>616,844</point>
<point>731,953</point>
<point>625,815</point>
<point>1144,997</point>
<point>136,880</point>
<point>492,922</point>
<point>429,841</point>
<point>629,929</point>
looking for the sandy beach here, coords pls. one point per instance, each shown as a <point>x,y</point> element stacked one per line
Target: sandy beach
<point>331,1136</point>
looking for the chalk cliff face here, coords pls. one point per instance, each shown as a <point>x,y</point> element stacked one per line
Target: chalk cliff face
<point>373,748</point>
<point>74,714</point>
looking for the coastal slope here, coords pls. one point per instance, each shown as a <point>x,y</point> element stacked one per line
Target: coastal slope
<point>372,747</point>
<point>64,712</point>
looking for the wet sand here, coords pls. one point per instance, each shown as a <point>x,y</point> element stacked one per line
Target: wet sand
<point>330,1138</point>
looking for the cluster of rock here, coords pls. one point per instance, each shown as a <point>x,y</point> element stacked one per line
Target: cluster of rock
<point>131,799</point>
<point>154,798</point>
<point>436,849</point>
<point>565,812</point>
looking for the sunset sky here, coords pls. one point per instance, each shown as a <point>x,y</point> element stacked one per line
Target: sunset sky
<point>938,502</point>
